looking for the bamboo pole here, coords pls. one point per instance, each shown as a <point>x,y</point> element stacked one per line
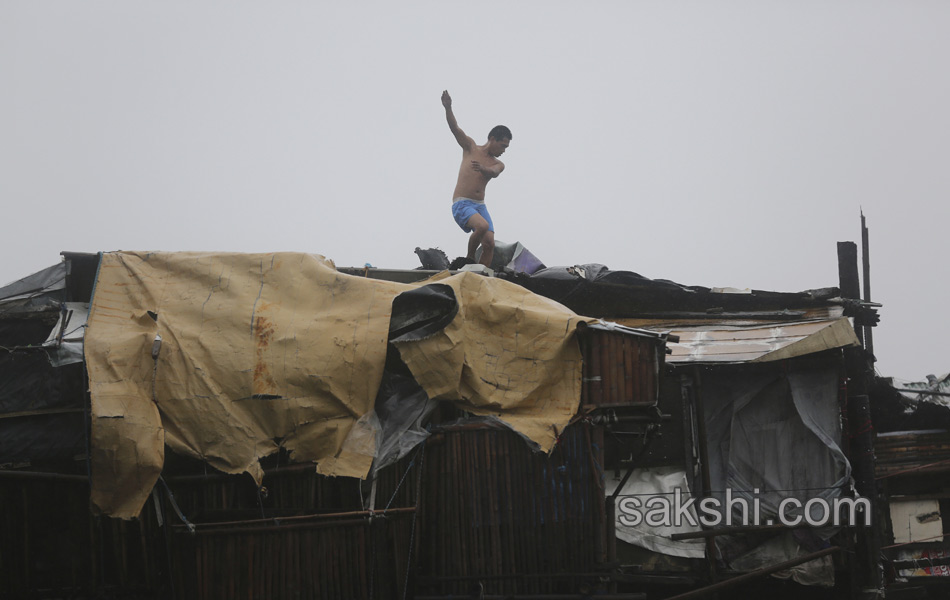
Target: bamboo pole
<point>605,369</point>
<point>596,376</point>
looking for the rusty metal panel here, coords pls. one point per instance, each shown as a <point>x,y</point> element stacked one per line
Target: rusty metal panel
<point>304,535</point>
<point>911,453</point>
<point>517,521</point>
<point>739,319</point>
<point>354,557</point>
<point>620,369</point>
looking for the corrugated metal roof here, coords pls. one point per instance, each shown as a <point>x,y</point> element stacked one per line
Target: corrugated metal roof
<point>936,390</point>
<point>739,319</point>
<point>725,342</point>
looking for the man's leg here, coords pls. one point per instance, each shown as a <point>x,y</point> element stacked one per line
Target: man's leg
<point>479,227</point>
<point>488,248</point>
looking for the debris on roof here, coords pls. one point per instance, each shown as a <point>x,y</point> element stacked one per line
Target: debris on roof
<point>507,258</point>
<point>433,259</point>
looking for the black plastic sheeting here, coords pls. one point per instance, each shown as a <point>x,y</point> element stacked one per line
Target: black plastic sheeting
<point>421,312</point>
<point>41,407</point>
<point>27,332</point>
<point>402,406</point>
<point>30,391</point>
<point>50,278</point>
<point>39,291</point>
<point>36,439</point>
<point>594,290</point>
<point>595,272</point>
<point>893,411</point>
<point>433,259</point>
<point>28,383</point>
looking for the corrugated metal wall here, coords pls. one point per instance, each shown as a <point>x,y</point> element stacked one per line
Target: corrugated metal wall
<point>517,521</point>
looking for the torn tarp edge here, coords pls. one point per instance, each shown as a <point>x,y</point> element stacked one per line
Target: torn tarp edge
<point>422,312</point>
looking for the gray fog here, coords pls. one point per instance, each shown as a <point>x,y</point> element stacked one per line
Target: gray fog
<point>710,143</point>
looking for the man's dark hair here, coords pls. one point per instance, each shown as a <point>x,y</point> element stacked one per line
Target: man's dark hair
<point>500,132</point>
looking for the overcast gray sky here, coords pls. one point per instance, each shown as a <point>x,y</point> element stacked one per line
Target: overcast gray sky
<point>711,143</point>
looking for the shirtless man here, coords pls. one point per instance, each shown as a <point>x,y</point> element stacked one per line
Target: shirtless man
<point>479,165</point>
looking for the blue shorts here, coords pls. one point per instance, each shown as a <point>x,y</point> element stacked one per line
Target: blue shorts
<point>464,208</point>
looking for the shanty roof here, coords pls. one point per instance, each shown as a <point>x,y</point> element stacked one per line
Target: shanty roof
<point>619,296</point>
<point>936,390</point>
<point>34,292</point>
<point>714,325</point>
<point>726,342</point>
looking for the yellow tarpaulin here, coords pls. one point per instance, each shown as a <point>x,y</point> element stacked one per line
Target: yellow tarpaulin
<point>262,351</point>
<point>508,352</point>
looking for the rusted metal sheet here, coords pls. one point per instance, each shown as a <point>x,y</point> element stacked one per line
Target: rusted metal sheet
<point>621,367</point>
<point>304,536</point>
<point>738,319</point>
<point>724,342</point>
<point>359,557</point>
<point>912,453</point>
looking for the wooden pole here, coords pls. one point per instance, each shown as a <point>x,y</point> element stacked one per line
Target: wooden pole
<point>704,463</point>
<point>860,372</point>
<point>848,277</point>
<point>866,259</point>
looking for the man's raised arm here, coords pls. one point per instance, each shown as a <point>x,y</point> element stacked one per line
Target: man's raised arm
<point>464,141</point>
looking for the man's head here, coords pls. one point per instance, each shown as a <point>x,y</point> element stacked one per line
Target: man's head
<point>498,139</point>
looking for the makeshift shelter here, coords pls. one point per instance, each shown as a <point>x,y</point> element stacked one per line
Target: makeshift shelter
<point>202,367</point>
<point>374,433</point>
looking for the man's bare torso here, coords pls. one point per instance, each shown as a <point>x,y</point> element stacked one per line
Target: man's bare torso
<point>471,183</point>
